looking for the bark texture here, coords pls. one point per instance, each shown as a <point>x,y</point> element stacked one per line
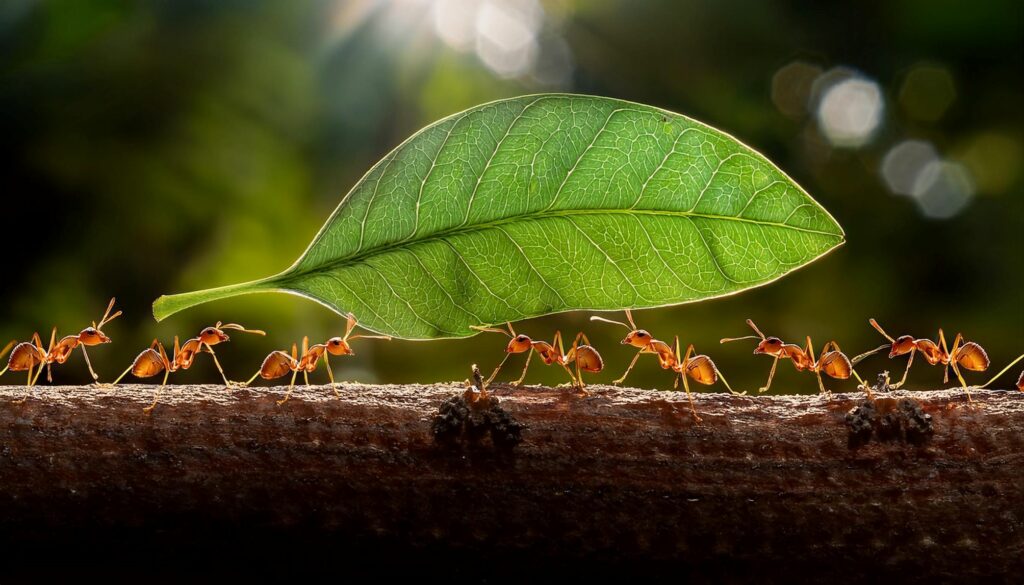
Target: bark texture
<point>621,482</point>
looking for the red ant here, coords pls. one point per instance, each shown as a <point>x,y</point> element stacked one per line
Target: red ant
<point>701,369</point>
<point>151,362</point>
<point>27,356</point>
<point>965,354</point>
<point>585,357</point>
<point>643,340</point>
<point>87,337</point>
<point>278,363</point>
<point>833,362</point>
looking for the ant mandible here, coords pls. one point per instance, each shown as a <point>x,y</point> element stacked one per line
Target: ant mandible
<point>643,340</point>
<point>701,369</point>
<point>585,357</point>
<point>279,363</point>
<point>833,362</point>
<point>965,354</point>
<point>87,337</point>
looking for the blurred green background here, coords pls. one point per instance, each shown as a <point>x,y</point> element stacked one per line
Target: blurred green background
<point>158,147</point>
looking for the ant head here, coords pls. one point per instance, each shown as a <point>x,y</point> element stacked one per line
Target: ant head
<point>769,345</point>
<point>902,345</point>
<point>213,336</point>
<point>637,338</point>
<point>338,346</point>
<point>519,344</point>
<point>92,336</point>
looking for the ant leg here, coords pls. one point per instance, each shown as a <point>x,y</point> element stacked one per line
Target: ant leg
<point>227,382</point>
<point>574,382</point>
<point>727,386</point>
<point>522,377</point>
<point>628,370</point>
<point>906,372</point>
<point>156,397</point>
<point>821,385</point>
<point>291,387</point>
<point>330,374</point>
<point>689,396</point>
<point>305,377</point>
<point>249,381</point>
<point>4,371</point>
<point>123,374</point>
<point>39,372</point>
<point>771,375</point>
<point>498,369</point>
<point>986,385</point>
<point>95,377</point>
<point>579,378</point>
<point>963,383</point>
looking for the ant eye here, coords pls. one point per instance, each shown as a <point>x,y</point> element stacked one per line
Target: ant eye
<point>521,338</point>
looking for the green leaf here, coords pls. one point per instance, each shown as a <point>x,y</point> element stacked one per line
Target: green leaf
<point>549,203</point>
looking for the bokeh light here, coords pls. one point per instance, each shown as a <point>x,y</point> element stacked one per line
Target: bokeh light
<point>850,111</point>
<point>791,87</point>
<point>507,35</point>
<point>455,23</point>
<point>903,164</point>
<point>943,189</point>
<point>995,160</point>
<point>927,92</point>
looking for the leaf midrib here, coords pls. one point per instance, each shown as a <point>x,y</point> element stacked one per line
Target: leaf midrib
<point>442,235</point>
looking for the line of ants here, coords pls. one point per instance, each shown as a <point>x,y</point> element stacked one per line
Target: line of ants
<point>31,357</point>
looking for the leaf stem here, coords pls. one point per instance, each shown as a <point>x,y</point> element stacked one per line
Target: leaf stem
<point>167,305</point>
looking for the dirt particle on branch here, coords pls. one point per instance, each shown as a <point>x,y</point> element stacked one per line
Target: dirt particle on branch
<point>473,416</point>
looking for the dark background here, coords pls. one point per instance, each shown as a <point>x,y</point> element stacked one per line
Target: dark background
<point>158,147</point>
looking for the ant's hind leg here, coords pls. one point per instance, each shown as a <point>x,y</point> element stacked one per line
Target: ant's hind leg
<point>291,387</point>
<point>156,397</point>
<point>689,396</point>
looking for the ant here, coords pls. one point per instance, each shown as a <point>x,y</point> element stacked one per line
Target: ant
<point>643,340</point>
<point>279,363</point>
<point>205,341</point>
<point>87,337</point>
<point>150,363</point>
<point>585,357</point>
<point>27,356</point>
<point>965,354</point>
<point>701,369</point>
<point>831,361</point>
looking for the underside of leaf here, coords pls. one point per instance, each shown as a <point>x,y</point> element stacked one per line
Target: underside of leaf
<point>550,203</point>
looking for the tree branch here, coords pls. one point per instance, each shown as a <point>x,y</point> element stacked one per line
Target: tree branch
<point>766,487</point>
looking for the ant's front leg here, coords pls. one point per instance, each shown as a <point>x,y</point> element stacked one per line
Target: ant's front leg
<point>771,375</point>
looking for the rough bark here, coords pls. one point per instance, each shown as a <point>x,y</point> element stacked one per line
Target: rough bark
<point>621,482</point>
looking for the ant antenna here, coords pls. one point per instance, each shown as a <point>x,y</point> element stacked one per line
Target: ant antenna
<point>752,326</point>
<point>511,332</point>
<point>237,327</point>
<point>880,330</point>
<point>613,322</point>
